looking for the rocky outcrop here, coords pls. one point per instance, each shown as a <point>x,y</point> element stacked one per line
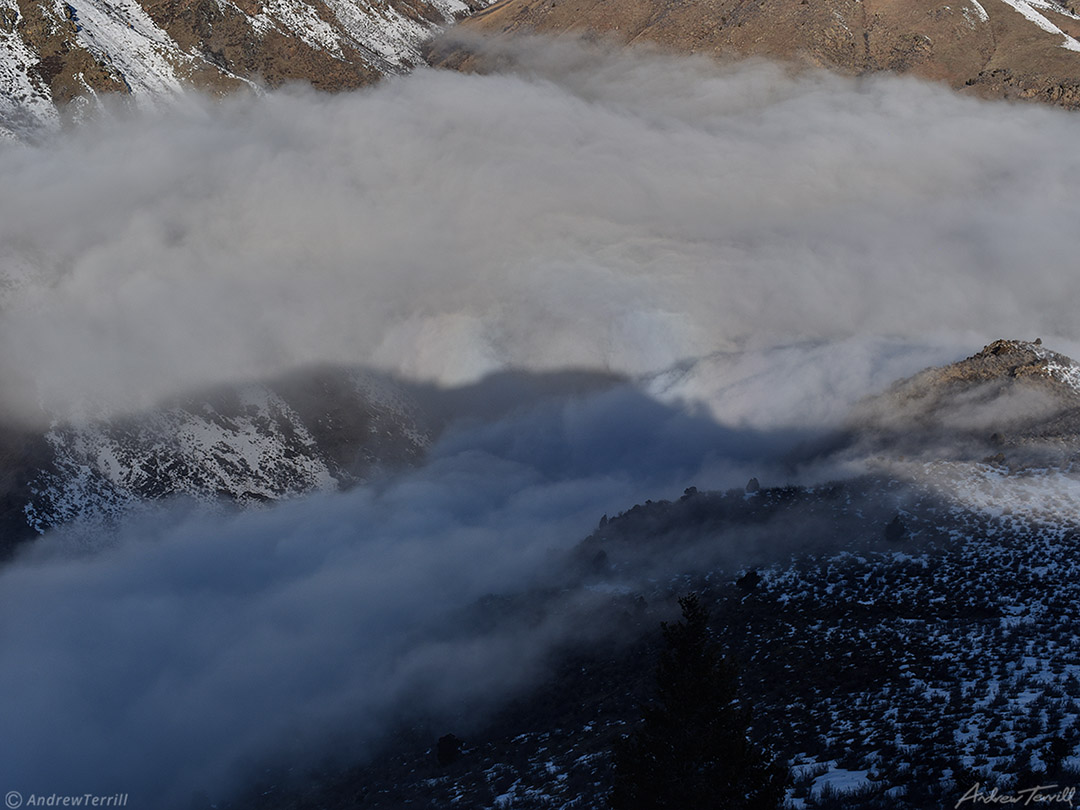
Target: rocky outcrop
<point>1013,398</point>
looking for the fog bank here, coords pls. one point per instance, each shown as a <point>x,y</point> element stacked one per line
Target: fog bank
<point>591,210</point>
<point>173,654</point>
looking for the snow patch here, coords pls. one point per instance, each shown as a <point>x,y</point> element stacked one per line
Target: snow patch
<point>26,107</point>
<point>101,471</point>
<point>1027,8</point>
<point>974,6</point>
<point>1067,373</point>
<point>121,34</point>
<point>154,67</point>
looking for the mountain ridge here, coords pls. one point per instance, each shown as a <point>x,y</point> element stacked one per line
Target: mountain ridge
<point>59,59</point>
<point>1018,49</point>
<point>1014,404</point>
<point>315,430</point>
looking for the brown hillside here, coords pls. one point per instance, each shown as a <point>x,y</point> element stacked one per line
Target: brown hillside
<point>991,48</point>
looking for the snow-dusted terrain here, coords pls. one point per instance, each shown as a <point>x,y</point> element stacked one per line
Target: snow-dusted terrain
<point>893,669</point>
<point>25,105</point>
<point>332,425</point>
<point>903,631</point>
<point>151,52</point>
<point>245,446</point>
<point>911,634</point>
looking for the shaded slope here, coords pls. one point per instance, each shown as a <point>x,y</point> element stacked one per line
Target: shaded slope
<point>906,665</point>
<point>313,430</point>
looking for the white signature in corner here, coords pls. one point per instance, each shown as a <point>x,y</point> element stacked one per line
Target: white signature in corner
<point>1040,794</point>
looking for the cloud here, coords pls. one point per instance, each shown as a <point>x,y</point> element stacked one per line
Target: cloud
<point>188,646</point>
<point>590,210</point>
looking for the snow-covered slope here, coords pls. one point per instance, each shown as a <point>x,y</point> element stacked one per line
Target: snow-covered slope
<point>1030,10</point>
<point>25,105</point>
<point>245,445</point>
<point>250,444</point>
<point>52,51</point>
<point>996,432</point>
<point>911,629</point>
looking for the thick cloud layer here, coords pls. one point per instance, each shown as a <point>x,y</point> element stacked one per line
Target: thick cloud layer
<point>590,210</point>
<point>765,246</point>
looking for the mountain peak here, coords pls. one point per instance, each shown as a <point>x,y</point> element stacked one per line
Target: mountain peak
<point>1017,359</point>
<point>1012,394</point>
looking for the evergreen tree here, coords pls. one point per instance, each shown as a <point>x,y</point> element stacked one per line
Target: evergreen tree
<point>691,750</point>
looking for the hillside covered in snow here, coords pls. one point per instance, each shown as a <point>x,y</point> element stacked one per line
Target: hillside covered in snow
<point>58,60</point>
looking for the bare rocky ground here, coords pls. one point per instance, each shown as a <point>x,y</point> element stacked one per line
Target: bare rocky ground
<point>992,49</point>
